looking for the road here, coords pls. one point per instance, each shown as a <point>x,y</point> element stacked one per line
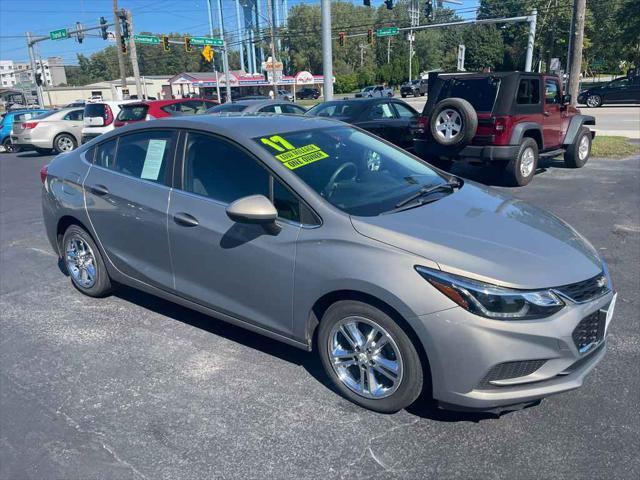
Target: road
<point>622,120</point>
<point>133,387</point>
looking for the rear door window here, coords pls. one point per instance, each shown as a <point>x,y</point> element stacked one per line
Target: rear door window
<point>404,111</point>
<point>75,115</point>
<point>381,111</point>
<point>145,155</point>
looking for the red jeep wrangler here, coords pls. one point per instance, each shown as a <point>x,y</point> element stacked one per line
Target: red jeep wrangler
<point>509,119</point>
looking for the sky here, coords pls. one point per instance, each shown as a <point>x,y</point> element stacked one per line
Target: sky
<point>160,16</point>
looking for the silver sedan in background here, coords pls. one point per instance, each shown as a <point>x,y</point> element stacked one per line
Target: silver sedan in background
<point>57,130</point>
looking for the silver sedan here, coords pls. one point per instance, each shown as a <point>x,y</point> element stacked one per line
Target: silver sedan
<point>57,130</point>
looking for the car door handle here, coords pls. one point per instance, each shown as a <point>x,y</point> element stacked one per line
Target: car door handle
<point>185,219</point>
<point>99,190</point>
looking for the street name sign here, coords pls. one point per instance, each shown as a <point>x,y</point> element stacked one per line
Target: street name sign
<point>387,31</point>
<point>216,42</point>
<point>60,34</point>
<point>148,39</point>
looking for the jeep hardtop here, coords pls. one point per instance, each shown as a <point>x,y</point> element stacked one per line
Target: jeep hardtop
<point>509,119</point>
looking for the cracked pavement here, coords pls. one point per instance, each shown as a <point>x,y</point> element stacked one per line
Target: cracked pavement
<point>134,387</point>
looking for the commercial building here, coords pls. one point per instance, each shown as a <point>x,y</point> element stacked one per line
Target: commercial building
<point>14,74</point>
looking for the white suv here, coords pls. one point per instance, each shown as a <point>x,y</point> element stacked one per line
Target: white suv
<point>99,117</point>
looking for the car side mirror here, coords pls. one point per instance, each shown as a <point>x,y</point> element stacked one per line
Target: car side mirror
<point>566,99</point>
<point>256,210</point>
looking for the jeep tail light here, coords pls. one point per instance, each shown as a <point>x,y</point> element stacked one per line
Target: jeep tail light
<point>423,124</point>
<point>43,173</point>
<point>500,125</point>
<point>29,125</point>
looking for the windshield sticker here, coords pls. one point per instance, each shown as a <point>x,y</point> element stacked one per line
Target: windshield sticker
<point>291,156</point>
<point>153,159</point>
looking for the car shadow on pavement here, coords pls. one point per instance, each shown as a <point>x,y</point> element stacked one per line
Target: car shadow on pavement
<point>423,407</point>
<point>492,175</point>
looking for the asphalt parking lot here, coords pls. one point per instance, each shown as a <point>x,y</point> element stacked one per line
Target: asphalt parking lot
<point>132,386</point>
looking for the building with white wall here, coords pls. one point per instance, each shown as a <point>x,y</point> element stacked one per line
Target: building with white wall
<point>19,73</point>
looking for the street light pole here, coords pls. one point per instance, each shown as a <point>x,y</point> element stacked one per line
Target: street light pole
<point>327,59</point>
<point>34,71</point>
<point>213,63</point>
<point>273,50</point>
<point>116,27</point>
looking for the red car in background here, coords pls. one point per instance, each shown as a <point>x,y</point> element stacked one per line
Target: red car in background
<point>150,109</point>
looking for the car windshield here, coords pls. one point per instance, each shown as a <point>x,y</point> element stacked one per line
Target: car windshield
<point>130,113</point>
<point>479,92</point>
<point>352,170</point>
<point>227,107</point>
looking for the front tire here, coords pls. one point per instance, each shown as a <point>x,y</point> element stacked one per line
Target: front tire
<point>84,263</point>
<point>64,143</point>
<point>578,152</point>
<point>369,357</point>
<point>594,101</point>
<point>521,169</point>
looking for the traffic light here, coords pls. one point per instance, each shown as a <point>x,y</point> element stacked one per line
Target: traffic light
<point>38,79</point>
<point>389,4</point>
<point>79,32</point>
<point>123,45</point>
<point>370,37</point>
<point>103,27</point>
<point>122,15</point>
<point>366,3</point>
<point>428,10</point>
<point>341,39</point>
<point>165,43</point>
<point>187,45</point>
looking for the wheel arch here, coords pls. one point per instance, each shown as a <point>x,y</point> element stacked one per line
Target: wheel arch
<point>53,142</point>
<point>63,224</point>
<point>576,123</point>
<point>527,129</point>
<point>325,301</point>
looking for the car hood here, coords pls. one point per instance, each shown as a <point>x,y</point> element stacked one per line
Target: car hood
<point>480,233</point>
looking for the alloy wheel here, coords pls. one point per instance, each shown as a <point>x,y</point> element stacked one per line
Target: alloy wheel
<point>65,144</point>
<point>527,162</point>
<point>81,262</point>
<point>365,357</point>
<point>583,147</point>
<point>448,124</point>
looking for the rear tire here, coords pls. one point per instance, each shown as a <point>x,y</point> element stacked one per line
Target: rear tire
<point>453,123</point>
<point>84,263</point>
<point>381,371</point>
<point>578,152</point>
<point>521,169</point>
<point>9,147</point>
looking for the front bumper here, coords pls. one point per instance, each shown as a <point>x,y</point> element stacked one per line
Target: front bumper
<point>484,153</point>
<point>464,349</point>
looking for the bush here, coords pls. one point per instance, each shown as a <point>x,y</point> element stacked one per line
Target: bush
<point>346,83</point>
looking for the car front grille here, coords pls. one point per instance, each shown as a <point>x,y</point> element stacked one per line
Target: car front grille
<point>586,290</point>
<point>506,370</point>
<point>590,331</point>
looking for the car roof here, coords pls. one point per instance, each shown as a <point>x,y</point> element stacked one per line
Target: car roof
<point>238,125</point>
<point>172,101</point>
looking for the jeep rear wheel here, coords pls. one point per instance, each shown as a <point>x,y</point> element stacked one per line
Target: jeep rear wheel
<point>453,122</point>
<point>578,152</point>
<point>521,169</point>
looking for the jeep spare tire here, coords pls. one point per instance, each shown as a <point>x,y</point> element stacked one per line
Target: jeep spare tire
<point>453,122</point>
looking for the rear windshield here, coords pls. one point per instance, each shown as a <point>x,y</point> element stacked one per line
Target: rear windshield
<point>132,112</point>
<point>479,92</point>
<point>94,110</point>
<point>342,110</point>
<point>25,116</point>
<point>227,107</point>
<point>46,114</point>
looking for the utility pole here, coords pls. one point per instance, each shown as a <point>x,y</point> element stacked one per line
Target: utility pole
<point>116,26</point>
<point>577,27</point>
<point>34,71</point>
<point>134,55</point>
<point>389,49</point>
<point>225,53</point>
<point>273,50</point>
<point>362,47</point>
<point>532,19</point>
<point>213,63</point>
<point>327,58</point>
<point>414,14</point>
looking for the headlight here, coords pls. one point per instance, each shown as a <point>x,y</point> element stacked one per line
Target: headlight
<point>491,301</point>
